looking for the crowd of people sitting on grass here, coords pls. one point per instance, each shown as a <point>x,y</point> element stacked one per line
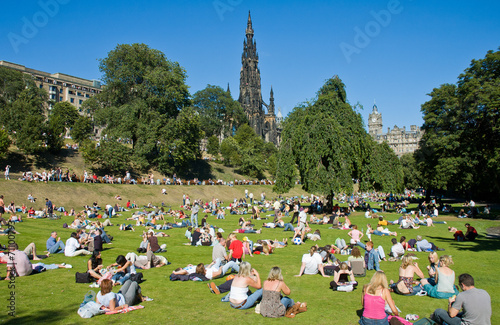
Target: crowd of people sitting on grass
<point>230,254</point>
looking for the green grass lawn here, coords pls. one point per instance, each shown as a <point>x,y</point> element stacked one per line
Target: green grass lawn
<point>54,297</point>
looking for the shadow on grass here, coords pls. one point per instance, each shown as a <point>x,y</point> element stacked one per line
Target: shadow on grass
<point>42,316</point>
<point>480,244</point>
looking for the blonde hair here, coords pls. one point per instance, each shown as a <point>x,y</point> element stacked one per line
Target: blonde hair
<point>275,274</point>
<point>265,248</point>
<point>344,266</point>
<point>445,260</point>
<point>245,269</point>
<point>434,255</point>
<point>377,281</point>
<point>406,261</point>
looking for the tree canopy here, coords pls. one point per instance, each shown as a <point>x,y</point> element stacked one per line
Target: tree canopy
<point>141,101</point>
<point>219,113</point>
<point>326,142</point>
<point>460,148</point>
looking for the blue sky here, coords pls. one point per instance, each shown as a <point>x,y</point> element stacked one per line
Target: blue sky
<point>394,52</point>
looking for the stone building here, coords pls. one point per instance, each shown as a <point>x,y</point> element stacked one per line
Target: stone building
<point>264,124</point>
<point>60,87</point>
<point>399,139</point>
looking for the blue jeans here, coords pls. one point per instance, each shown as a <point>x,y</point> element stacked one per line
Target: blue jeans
<point>121,277</point>
<point>57,248</point>
<point>251,300</point>
<point>369,321</point>
<point>194,220</point>
<point>287,302</point>
<point>183,224</point>
<point>47,266</point>
<point>229,265</point>
<point>289,226</point>
<point>441,316</point>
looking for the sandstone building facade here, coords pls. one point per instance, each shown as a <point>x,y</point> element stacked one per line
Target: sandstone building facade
<point>402,141</point>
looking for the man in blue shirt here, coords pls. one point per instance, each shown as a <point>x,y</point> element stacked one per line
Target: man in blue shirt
<point>55,245</point>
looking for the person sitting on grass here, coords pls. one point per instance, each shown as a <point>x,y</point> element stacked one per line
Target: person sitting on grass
<point>94,265</point>
<point>273,304</point>
<point>376,296</point>
<point>471,232</point>
<point>408,268</point>
<point>18,263</point>
<point>372,255</point>
<point>312,263</point>
<point>356,256</point>
<point>475,303</point>
<point>238,296</point>
<point>342,275</point>
<point>129,295</point>
<point>444,279</point>
<point>125,269</point>
<point>73,247</point>
<point>457,234</point>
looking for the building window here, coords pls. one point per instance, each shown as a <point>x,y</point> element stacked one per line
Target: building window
<point>60,98</point>
<point>72,100</point>
<point>80,101</point>
<point>52,96</point>
<point>87,95</point>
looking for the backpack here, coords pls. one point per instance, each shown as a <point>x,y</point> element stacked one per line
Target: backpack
<point>89,307</point>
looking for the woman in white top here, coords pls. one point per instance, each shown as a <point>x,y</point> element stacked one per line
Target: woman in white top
<point>445,280</point>
<point>312,263</point>
<point>238,296</point>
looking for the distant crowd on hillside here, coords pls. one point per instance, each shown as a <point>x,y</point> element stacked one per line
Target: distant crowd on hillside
<point>58,175</point>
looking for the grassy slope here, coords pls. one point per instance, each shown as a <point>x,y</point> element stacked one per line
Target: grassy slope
<point>54,296</point>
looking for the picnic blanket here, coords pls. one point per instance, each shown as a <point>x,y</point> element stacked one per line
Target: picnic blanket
<point>121,311</point>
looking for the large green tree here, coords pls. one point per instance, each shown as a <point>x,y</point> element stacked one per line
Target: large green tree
<point>143,91</point>
<point>325,140</point>
<point>383,170</point>
<point>180,143</point>
<point>411,173</point>
<point>219,113</point>
<point>460,148</point>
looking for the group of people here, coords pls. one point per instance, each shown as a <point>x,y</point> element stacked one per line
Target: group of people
<point>246,288</point>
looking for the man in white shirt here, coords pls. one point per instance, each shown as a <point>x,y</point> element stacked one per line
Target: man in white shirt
<point>397,249</point>
<point>73,247</point>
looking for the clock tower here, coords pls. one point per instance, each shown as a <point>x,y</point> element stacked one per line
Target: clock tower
<point>375,122</point>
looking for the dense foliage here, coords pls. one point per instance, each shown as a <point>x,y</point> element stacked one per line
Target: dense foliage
<point>145,103</point>
<point>248,152</point>
<point>460,149</point>
<point>326,142</point>
<point>220,115</point>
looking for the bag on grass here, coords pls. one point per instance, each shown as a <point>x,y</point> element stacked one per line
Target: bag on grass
<point>137,277</point>
<point>83,277</point>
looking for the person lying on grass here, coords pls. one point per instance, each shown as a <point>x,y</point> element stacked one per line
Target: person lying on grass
<point>130,294</point>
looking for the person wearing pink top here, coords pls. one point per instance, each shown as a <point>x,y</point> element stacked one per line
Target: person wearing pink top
<point>375,295</point>
<point>355,235</point>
